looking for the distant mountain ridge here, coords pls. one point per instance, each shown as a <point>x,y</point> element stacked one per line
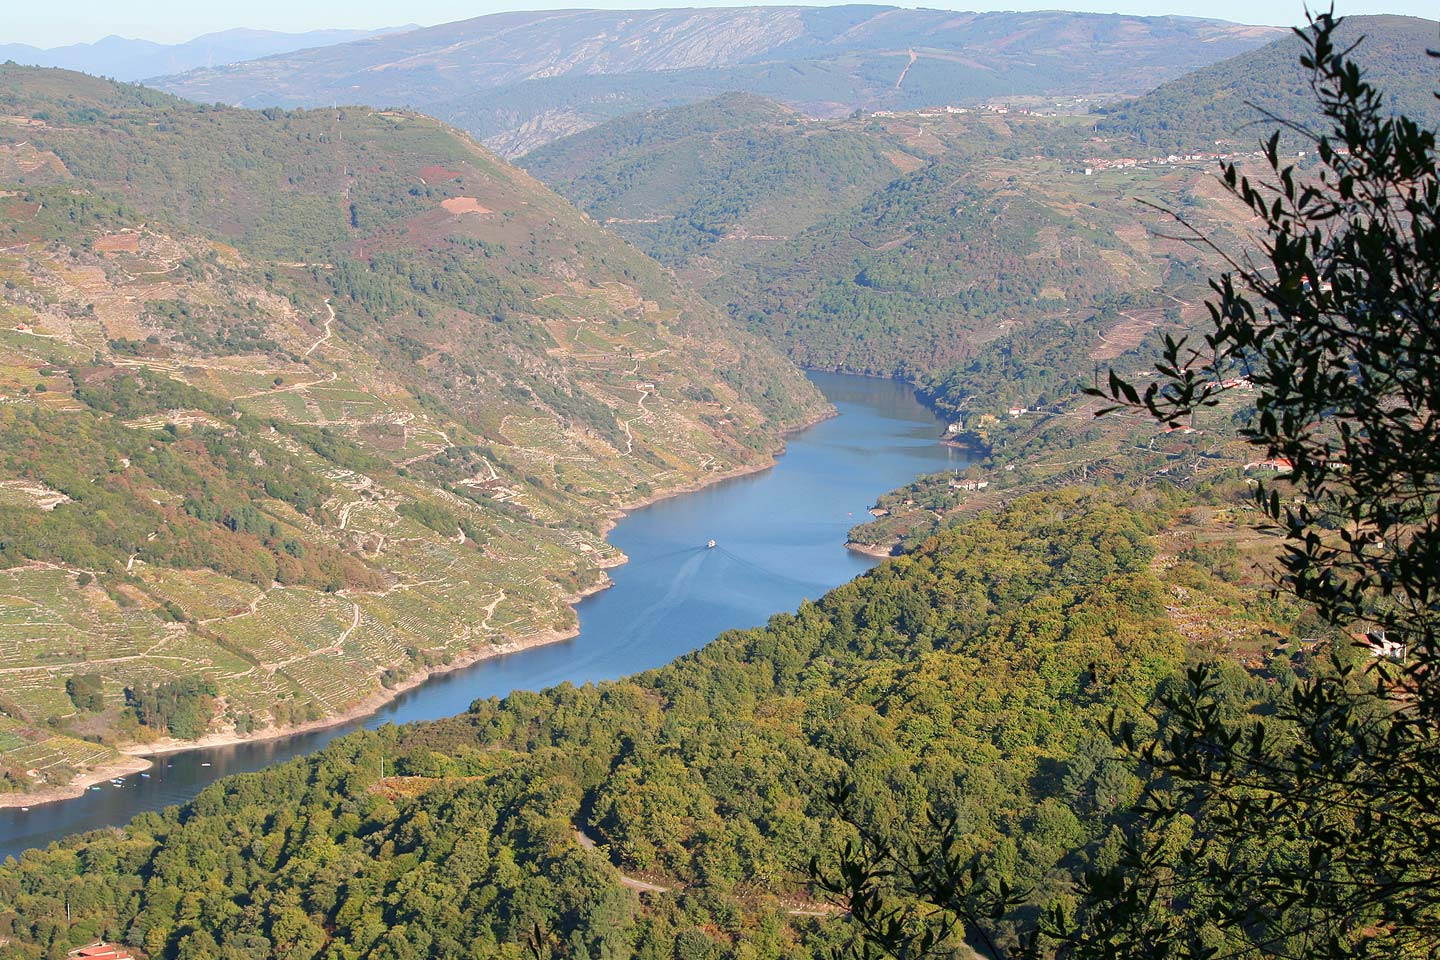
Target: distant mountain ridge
<point>521,79</point>
<point>901,242</point>
<point>125,58</point>
<point>1218,103</point>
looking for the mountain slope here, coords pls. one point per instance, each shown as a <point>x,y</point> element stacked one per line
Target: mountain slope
<point>1223,102</point>
<point>347,399</point>
<point>905,243</point>
<point>126,59</point>
<point>519,79</point>
<point>971,679</point>
<point>902,243</point>
<point>686,182</point>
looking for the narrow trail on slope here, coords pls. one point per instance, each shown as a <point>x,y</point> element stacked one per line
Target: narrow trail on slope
<point>901,79</point>
<point>331,650</point>
<point>304,385</point>
<point>329,322</point>
<point>588,841</point>
<point>644,415</point>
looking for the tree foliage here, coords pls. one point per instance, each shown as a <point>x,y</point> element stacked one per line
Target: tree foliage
<point>1301,825</point>
<point>970,676</point>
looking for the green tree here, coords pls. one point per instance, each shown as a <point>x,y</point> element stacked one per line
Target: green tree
<point>86,691</point>
<point>1308,829</point>
<point>1314,830</point>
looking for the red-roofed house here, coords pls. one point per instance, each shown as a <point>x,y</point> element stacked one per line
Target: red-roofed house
<point>101,951</point>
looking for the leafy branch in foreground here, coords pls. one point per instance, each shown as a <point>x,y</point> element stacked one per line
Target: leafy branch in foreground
<point>1336,332</point>
<point>1305,827</point>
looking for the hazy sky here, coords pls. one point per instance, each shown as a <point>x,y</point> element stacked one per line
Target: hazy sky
<point>170,21</point>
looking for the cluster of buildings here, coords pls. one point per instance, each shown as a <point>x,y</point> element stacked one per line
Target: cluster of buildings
<point>1093,164</point>
<point>1276,464</point>
<point>996,108</point>
<point>926,112</point>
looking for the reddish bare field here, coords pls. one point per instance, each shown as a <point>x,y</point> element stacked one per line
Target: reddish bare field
<point>459,205</point>
<point>118,243</point>
<point>435,173</point>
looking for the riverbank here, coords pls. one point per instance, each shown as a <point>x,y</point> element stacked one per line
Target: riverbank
<point>136,757</point>
<point>700,483</point>
<point>870,550</point>
<point>361,709</point>
<point>123,766</point>
<point>783,530</point>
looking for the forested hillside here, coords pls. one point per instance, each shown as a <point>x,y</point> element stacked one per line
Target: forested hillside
<point>520,79</point>
<point>977,693</point>
<point>991,255</point>
<point>1223,103</point>
<point>906,244</point>
<point>671,815</point>
<point>297,407</point>
<point>729,174</point>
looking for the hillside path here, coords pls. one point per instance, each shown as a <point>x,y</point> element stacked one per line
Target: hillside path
<point>901,79</point>
<point>588,842</point>
<point>328,322</point>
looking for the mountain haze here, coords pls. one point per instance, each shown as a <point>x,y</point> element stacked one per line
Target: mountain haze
<point>913,243</point>
<point>520,79</point>
<point>1223,102</point>
<point>123,58</point>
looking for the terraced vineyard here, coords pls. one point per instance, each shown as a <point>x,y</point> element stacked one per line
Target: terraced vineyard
<point>350,411</point>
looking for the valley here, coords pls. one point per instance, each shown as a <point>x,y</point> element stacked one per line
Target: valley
<point>901,244</point>
<point>264,485</point>
<point>781,543</point>
<point>724,484</point>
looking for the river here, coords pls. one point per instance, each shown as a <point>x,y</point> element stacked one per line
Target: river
<point>780,539</point>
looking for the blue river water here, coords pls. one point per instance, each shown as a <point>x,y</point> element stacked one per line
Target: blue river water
<point>780,539</point>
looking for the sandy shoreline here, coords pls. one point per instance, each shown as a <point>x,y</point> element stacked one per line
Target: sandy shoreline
<point>134,757</point>
<point>869,549</point>
<point>122,766</point>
